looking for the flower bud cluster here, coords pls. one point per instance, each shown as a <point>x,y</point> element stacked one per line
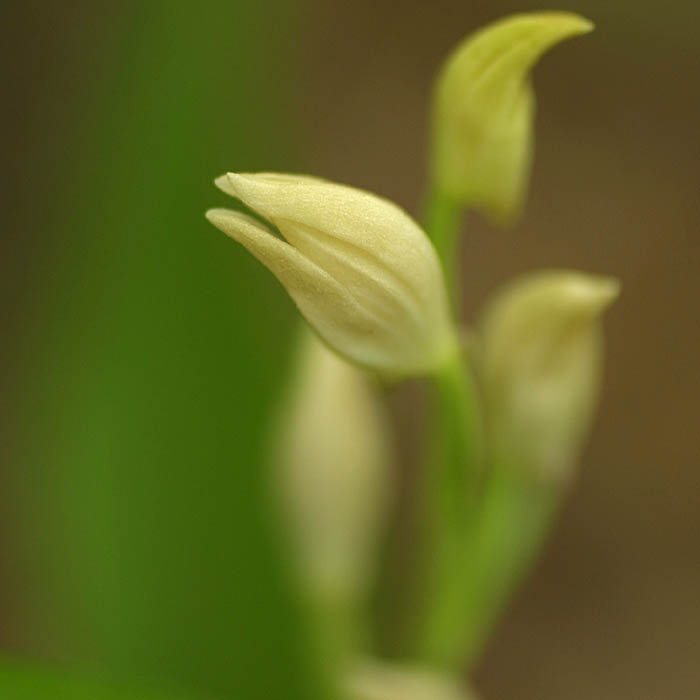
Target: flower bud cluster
<point>370,284</point>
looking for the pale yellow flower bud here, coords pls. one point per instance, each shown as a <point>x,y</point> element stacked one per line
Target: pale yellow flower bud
<point>483,111</point>
<point>361,271</point>
<point>334,461</point>
<point>374,680</point>
<point>540,362</point>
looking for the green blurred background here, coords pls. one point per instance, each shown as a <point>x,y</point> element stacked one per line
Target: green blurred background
<point>142,351</point>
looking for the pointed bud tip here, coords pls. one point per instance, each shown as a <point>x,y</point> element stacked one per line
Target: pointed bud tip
<point>594,294</point>
<point>235,224</point>
<point>225,220</point>
<point>229,183</point>
<point>585,26</point>
<point>213,215</point>
<point>546,28</point>
<point>220,216</point>
<point>566,23</point>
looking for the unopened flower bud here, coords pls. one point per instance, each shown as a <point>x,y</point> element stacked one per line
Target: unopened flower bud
<point>334,461</point>
<point>541,357</point>
<point>484,108</point>
<point>361,271</point>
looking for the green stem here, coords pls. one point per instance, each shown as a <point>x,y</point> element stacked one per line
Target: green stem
<point>442,218</point>
<point>454,474</point>
<point>482,538</point>
<point>458,433</point>
<point>454,459</point>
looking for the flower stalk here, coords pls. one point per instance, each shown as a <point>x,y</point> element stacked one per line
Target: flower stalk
<point>454,470</point>
<point>443,215</point>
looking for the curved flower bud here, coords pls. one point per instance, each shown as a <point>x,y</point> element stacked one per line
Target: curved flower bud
<point>361,271</point>
<point>333,459</point>
<point>483,111</point>
<point>373,680</point>
<point>541,357</point>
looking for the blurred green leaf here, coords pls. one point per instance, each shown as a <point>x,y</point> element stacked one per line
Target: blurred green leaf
<point>153,349</point>
<point>25,682</point>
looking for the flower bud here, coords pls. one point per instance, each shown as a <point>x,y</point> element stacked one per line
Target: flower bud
<point>484,107</point>
<point>373,680</point>
<point>540,362</point>
<point>361,271</point>
<point>333,459</point>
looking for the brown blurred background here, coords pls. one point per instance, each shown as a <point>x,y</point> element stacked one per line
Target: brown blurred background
<point>613,611</point>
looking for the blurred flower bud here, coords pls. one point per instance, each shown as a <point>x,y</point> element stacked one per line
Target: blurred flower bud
<point>361,271</point>
<point>372,680</point>
<point>483,111</point>
<point>334,462</point>
<point>541,357</point>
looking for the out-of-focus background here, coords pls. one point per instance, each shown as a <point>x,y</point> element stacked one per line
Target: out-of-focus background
<point>141,350</point>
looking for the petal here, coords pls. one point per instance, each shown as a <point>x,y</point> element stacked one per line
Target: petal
<point>326,304</point>
<point>225,184</point>
<point>348,214</point>
<point>372,284</point>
